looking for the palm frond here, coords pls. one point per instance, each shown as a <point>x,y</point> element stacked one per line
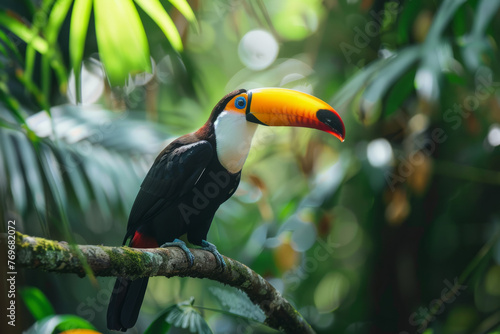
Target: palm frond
<point>79,156</point>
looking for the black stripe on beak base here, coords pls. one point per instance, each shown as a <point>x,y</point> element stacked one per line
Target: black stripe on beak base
<point>249,116</point>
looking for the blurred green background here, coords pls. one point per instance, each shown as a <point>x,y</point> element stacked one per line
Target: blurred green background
<point>396,230</point>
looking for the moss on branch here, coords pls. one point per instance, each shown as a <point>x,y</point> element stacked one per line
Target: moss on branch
<point>54,256</point>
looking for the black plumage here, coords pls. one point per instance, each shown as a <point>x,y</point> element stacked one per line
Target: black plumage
<point>179,195</point>
<point>187,182</point>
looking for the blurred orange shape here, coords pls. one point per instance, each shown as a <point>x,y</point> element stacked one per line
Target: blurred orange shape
<point>422,25</point>
<point>398,208</point>
<point>285,257</point>
<point>419,179</point>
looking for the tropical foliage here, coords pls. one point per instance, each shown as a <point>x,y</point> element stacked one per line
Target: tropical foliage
<point>395,230</point>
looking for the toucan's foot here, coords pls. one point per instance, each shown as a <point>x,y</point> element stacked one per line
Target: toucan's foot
<point>205,245</point>
<point>182,245</point>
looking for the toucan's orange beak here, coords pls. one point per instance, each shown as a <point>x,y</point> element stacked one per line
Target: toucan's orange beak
<point>286,107</point>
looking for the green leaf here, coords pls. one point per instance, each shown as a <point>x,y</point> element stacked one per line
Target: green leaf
<point>51,170</point>
<point>104,163</point>
<point>72,166</point>
<point>12,104</point>
<point>94,177</point>
<point>460,21</point>
<point>52,173</point>
<point>56,18</point>
<point>121,39</point>
<point>32,175</point>
<point>98,161</point>
<point>441,20</point>
<point>156,11</point>
<point>430,72</point>
<point>23,32</point>
<point>38,21</point>
<point>3,171</point>
<point>356,83</point>
<point>399,93</point>
<point>406,19</point>
<point>60,322</point>
<point>184,8</point>
<point>36,303</point>
<point>392,71</point>
<point>476,43</point>
<point>182,315</point>
<point>31,86</point>
<point>6,40</point>
<point>87,162</point>
<point>238,304</point>
<point>77,33</point>
<point>3,51</point>
<point>68,322</point>
<point>46,78</point>
<point>485,12</point>
<point>14,170</point>
<point>29,63</point>
<point>126,190</point>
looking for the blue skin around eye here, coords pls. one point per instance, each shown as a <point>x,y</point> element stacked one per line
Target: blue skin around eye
<point>238,104</point>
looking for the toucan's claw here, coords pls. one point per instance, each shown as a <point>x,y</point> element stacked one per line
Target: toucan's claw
<point>205,245</point>
<point>182,245</point>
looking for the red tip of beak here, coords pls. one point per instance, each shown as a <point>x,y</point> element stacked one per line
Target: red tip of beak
<point>331,123</point>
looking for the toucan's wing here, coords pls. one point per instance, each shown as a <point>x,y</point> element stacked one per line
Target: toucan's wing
<point>174,173</point>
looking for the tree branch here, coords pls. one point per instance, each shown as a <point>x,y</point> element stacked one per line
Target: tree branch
<point>54,256</point>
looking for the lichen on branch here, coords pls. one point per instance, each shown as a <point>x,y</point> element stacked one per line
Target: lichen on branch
<point>58,256</point>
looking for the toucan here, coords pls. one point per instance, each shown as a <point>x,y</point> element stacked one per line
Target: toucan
<point>198,172</point>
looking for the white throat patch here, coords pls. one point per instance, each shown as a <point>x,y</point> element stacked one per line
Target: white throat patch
<point>233,135</point>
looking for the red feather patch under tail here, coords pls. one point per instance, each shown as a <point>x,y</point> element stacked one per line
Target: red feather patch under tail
<point>141,240</point>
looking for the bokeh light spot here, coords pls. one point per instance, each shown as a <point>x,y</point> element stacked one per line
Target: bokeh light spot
<point>331,291</point>
<point>426,84</point>
<point>379,152</point>
<point>494,135</point>
<point>492,281</point>
<point>258,49</point>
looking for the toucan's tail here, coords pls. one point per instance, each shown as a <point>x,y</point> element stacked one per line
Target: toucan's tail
<point>125,303</point>
<point>126,298</point>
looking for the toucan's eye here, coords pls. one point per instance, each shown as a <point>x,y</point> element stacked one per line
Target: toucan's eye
<point>240,102</point>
